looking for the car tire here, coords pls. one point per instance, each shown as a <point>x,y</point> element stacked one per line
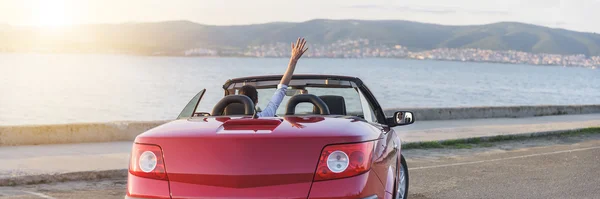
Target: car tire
<point>399,183</point>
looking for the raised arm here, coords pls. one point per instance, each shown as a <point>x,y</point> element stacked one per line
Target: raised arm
<point>297,52</point>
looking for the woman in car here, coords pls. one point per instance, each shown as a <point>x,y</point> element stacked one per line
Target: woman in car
<point>298,50</point>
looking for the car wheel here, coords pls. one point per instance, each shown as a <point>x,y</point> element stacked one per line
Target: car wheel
<point>402,180</point>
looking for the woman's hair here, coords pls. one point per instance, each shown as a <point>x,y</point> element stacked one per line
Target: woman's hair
<point>250,91</point>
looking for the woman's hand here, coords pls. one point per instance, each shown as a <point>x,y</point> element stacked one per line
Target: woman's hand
<point>298,49</point>
<point>297,52</point>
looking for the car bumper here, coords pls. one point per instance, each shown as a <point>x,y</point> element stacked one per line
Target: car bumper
<point>128,197</point>
<point>369,197</point>
<point>363,186</point>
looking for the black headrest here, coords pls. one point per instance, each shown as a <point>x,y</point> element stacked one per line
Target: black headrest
<point>234,109</point>
<point>335,103</point>
<point>316,101</point>
<point>248,104</point>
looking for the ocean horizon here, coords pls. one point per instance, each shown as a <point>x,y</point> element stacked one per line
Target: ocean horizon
<point>42,88</point>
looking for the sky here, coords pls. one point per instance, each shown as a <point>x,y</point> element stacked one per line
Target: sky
<point>579,15</point>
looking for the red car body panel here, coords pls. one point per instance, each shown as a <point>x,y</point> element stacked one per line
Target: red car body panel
<point>385,163</point>
<point>272,157</point>
<point>187,190</point>
<point>228,159</point>
<point>361,186</point>
<point>139,187</point>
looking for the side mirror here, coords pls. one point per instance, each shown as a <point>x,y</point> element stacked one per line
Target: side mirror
<point>403,118</point>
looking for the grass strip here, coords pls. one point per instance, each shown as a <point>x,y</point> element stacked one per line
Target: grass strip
<point>489,141</point>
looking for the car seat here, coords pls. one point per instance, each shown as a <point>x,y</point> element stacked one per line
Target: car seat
<point>335,103</point>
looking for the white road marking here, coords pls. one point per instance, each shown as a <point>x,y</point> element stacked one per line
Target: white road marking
<point>38,195</point>
<point>500,159</point>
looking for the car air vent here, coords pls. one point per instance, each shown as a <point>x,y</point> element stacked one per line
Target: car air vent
<point>251,124</point>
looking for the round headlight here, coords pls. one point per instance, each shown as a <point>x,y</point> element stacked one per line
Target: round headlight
<point>147,161</point>
<point>337,161</point>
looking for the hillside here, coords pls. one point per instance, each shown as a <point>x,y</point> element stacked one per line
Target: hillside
<point>176,36</point>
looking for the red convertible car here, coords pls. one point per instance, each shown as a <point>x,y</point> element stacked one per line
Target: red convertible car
<point>329,139</point>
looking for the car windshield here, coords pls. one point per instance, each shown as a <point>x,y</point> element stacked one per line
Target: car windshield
<point>341,96</point>
<point>350,96</point>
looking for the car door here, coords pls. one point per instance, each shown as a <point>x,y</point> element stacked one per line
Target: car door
<point>190,109</point>
<point>386,152</point>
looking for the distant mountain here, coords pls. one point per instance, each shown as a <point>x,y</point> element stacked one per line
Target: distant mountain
<point>177,36</point>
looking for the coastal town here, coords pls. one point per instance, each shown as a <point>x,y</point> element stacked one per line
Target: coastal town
<point>364,48</point>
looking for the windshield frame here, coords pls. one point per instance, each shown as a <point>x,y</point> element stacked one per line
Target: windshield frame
<point>325,81</point>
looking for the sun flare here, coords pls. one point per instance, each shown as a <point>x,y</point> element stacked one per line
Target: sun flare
<point>51,13</point>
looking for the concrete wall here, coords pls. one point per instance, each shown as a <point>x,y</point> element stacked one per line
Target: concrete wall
<point>457,113</point>
<point>73,133</point>
<point>127,131</point>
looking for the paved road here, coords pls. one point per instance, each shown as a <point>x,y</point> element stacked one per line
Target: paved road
<point>556,171</point>
<point>106,189</point>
